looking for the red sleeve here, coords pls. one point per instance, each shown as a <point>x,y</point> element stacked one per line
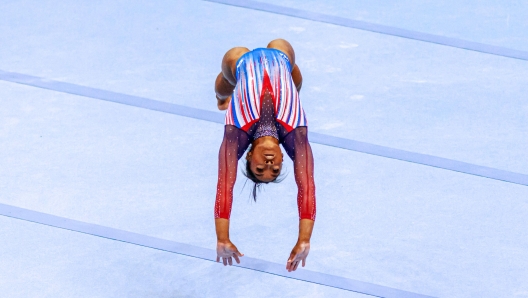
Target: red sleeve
<point>298,148</point>
<point>233,146</point>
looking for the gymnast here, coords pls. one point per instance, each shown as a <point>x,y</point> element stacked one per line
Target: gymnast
<point>259,89</point>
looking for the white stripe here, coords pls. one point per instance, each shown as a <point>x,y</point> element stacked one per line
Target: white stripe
<point>247,100</point>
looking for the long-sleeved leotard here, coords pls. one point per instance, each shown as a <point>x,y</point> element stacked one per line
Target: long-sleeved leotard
<point>296,144</point>
<point>265,96</point>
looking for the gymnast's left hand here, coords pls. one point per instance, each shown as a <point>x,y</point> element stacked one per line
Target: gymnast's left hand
<point>299,253</point>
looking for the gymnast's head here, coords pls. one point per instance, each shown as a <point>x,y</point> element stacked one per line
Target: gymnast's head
<point>264,162</point>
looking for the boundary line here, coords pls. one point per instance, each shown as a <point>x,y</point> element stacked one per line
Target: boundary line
<point>419,158</point>
<point>202,253</point>
<point>383,29</point>
<point>141,102</point>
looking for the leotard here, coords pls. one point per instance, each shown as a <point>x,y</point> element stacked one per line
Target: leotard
<point>265,102</point>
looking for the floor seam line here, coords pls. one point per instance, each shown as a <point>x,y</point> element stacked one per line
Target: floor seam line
<point>323,139</point>
<point>201,253</point>
<point>377,28</point>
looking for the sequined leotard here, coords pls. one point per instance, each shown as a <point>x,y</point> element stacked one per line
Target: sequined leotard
<point>265,105</point>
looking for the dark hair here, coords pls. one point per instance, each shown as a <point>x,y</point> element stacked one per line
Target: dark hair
<point>257,183</point>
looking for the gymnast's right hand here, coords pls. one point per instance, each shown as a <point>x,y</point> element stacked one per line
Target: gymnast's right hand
<point>227,251</point>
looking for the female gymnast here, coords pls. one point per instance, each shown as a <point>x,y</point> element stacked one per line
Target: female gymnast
<point>259,89</point>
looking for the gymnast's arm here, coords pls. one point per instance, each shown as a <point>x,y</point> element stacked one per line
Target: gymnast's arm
<point>233,146</point>
<point>298,148</point>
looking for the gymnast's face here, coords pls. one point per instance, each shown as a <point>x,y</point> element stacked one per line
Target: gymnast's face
<point>265,159</point>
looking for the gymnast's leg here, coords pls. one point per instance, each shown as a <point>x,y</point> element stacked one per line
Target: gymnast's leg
<point>285,47</point>
<point>226,79</point>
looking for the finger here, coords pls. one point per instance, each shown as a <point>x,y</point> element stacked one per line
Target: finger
<point>230,261</point>
<point>288,265</point>
<point>218,259</point>
<point>303,262</point>
<point>293,266</point>
<point>239,253</point>
<point>296,265</point>
<point>292,257</point>
<point>225,261</point>
<point>236,258</point>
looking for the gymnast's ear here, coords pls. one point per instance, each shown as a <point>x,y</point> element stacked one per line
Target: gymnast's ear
<point>248,155</point>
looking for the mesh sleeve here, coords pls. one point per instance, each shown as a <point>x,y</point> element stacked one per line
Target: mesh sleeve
<point>298,148</point>
<point>233,146</point>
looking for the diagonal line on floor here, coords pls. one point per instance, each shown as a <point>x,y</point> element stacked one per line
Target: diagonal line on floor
<point>383,29</point>
<point>202,253</point>
<point>141,102</point>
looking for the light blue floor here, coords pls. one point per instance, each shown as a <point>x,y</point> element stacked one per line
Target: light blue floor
<point>40,261</point>
<point>499,23</point>
<point>370,87</point>
<point>383,221</point>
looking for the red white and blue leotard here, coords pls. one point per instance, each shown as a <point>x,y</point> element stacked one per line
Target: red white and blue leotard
<point>257,71</point>
<point>260,72</point>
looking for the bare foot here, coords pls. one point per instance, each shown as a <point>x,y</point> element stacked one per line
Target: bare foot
<point>223,104</point>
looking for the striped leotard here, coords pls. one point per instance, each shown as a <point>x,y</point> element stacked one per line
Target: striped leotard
<point>265,102</point>
<point>256,72</point>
